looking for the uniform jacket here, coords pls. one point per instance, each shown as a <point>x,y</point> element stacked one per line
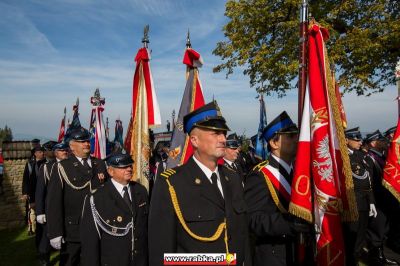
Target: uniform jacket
<point>274,236</point>
<point>362,179</point>
<point>99,247</point>
<point>41,186</point>
<point>29,179</point>
<point>203,209</point>
<point>64,203</point>
<point>238,170</point>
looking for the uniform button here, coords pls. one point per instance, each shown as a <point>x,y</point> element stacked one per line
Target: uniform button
<point>284,236</point>
<point>273,251</point>
<point>135,251</point>
<point>135,238</point>
<point>199,216</point>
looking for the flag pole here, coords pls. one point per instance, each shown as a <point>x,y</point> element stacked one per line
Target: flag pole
<point>145,39</point>
<point>398,85</point>
<point>302,57</point>
<point>188,46</point>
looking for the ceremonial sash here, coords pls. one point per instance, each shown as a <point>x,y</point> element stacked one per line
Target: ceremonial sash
<point>277,182</point>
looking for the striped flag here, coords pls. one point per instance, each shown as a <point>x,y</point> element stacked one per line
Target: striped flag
<point>97,127</point>
<point>322,163</point>
<point>391,171</point>
<point>145,115</point>
<point>180,148</point>
<point>61,133</point>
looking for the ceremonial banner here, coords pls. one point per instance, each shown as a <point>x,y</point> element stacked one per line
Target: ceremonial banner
<point>128,137</point>
<point>61,133</point>
<point>180,148</point>
<point>97,127</point>
<point>322,159</point>
<point>76,123</point>
<point>145,114</point>
<point>261,145</point>
<point>118,139</point>
<point>391,171</point>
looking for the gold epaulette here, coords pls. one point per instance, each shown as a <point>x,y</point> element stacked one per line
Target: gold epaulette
<point>168,173</point>
<point>260,165</point>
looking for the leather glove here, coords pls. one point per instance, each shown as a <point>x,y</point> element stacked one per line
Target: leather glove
<point>372,210</point>
<point>41,218</point>
<point>56,242</point>
<point>298,226</point>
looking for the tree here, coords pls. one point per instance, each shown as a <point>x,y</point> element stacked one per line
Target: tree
<point>5,134</point>
<point>263,38</point>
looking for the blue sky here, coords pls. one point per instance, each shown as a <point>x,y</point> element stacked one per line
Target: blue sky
<point>51,52</point>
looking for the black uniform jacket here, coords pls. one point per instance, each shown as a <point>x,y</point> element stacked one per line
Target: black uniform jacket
<point>238,170</point>
<point>203,209</point>
<point>29,179</point>
<point>64,202</point>
<point>271,228</point>
<point>99,247</point>
<point>41,186</point>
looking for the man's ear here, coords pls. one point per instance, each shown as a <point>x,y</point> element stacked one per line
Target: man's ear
<point>274,144</point>
<point>194,139</point>
<point>110,171</point>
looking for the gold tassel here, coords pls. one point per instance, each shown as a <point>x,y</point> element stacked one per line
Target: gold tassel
<point>392,190</point>
<point>301,212</point>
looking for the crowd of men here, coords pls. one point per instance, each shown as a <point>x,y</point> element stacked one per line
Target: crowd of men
<point>221,200</point>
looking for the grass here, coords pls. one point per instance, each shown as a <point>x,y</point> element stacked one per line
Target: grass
<point>17,248</point>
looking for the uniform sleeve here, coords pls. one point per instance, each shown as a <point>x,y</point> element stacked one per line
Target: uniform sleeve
<point>162,224</point>
<point>90,240</point>
<point>264,217</point>
<point>25,180</point>
<point>55,205</point>
<point>40,191</point>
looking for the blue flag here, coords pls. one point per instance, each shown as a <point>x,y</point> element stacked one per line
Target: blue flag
<point>260,143</point>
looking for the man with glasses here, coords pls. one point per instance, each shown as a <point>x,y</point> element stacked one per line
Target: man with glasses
<point>267,191</point>
<point>71,180</point>
<point>230,160</point>
<point>114,220</point>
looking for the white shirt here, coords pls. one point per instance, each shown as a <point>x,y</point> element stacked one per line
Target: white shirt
<point>89,161</point>
<point>120,188</point>
<point>230,163</point>
<point>287,167</point>
<point>209,173</point>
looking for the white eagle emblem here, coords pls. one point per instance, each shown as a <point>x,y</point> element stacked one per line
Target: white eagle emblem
<point>324,163</point>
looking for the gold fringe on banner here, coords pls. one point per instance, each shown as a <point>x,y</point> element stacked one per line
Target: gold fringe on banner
<point>392,190</point>
<point>301,212</point>
<point>352,213</point>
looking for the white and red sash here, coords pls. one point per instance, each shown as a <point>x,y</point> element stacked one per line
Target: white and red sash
<point>277,182</point>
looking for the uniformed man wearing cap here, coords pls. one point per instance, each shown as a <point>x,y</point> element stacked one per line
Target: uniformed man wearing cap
<point>356,231</point>
<point>60,152</point>
<point>71,180</point>
<point>114,220</point>
<point>267,191</point>
<point>231,156</point>
<point>378,228</point>
<point>199,207</point>
<point>29,180</point>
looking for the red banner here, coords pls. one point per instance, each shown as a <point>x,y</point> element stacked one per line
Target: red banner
<point>391,171</point>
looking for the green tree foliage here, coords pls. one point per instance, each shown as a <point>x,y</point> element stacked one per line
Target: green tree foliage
<point>263,39</point>
<point>5,134</point>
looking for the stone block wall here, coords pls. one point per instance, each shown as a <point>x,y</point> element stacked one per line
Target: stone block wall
<point>12,207</point>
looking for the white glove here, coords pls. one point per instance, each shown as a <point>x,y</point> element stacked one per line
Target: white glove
<point>41,218</point>
<point>56,242</point>
<point>372,210</point>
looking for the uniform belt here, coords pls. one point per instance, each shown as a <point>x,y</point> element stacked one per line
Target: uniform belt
<point>284,239</point>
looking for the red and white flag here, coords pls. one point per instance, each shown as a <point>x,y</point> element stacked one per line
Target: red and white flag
<point>61,133</point>
<point>391,171</point>
<point>322,188</point>
<point>97,127</point>
<point>145,115</point>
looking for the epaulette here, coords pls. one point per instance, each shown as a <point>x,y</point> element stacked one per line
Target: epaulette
<point>168,173</point>
<point>230,169</point>
<point>260,165</point>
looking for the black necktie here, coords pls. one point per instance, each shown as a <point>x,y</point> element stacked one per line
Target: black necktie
<point>85,163</point>
<point>234,166</point>
<point>214,179</point>
<point>126,197</point>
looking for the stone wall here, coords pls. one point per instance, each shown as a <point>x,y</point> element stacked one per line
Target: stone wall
<point>12,207</point>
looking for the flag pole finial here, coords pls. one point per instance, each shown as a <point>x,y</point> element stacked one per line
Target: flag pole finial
<point>188,44</point>
<point>145,39</point>
<point>65,110</point>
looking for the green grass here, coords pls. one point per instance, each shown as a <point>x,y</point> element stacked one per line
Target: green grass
<point>17,248</point>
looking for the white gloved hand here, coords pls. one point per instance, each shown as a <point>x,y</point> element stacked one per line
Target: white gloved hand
<point>56,242</point>
<point>372,210</point>
<point>41,218</point>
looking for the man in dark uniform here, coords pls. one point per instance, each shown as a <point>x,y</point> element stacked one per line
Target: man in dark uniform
<point>199,207</point>
<point>71,180</point>
<point>378,228</point>
<point>231,156</point>
<point>267,191</point>
<point>29,180</point>
<point>114,220</point>
<point>60,151</point>
<point>355,232</point>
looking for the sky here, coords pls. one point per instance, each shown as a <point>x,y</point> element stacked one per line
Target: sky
<point>52,52</point>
